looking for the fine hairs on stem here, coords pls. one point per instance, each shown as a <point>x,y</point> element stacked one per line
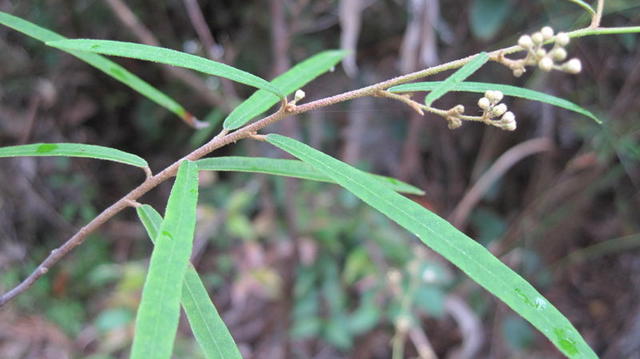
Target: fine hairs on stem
<point>285,110</point>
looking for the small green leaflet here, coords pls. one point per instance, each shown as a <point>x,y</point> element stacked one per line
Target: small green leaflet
<point>73,150</point>
<point>468,255</point>
<point>159,310</point>
<point>457,77</point>
<point>288,82</point>
<point>288,168</point>
<point>210,331</point>
<point>583,5</point>
<point>481,87</point>
<point>165,56</point>
<point>101,63</point>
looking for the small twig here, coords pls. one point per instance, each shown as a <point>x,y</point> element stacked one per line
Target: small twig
<point>460,214</point>
<point>405,98</point>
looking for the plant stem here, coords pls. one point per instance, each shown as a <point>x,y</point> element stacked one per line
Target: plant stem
<point>224,138</point>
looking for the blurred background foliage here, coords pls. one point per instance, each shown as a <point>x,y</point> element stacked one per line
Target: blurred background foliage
<point>301,269</point>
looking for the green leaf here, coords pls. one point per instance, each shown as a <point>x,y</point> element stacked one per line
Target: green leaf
<point>457,77</point>
<point>472,258</point>
<point>288,82</point>
<point>288,168</point>
<point>207,326</point>
<point>165,56</point>
<point>159,310</point>
<point>101,63</point>
<point>584,5</point>
<point>73,150</point>
<point>481,87</point>
<point>486,17</point>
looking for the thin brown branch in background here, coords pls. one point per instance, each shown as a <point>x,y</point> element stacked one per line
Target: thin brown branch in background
<point>461,213</point>
<point>208,42</point>
<point>129,19</point>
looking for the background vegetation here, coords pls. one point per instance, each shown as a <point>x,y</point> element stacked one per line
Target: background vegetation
<point>304,269</point>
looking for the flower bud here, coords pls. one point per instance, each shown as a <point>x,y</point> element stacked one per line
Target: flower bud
<point>494,96</point>
<point>537,38</point>
<point>508,121</point>
<point>518,72</point>
<point>559,54</point>
<point>484,103</point>
<point>547,32</point>
<point>546,64</point>
<point>562,39</point>
<point>458,109</point>
<point>525,42</point>
<point>572,66</point>
<point>541,53</point>
<point>299,95</point>
<point>499,110</point>
<point>453,122</point>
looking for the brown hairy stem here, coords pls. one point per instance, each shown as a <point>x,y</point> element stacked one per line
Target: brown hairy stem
<point>224,138</point>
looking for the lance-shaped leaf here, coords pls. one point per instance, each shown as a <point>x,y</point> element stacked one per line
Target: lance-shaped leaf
<point>457,77</point>
<point>207,326</point>
<point>289,168</point>
<point>583,5</point>
<point>73,150</point>
<point>508,90</point>
<point>165,56</point>
<point>159,310</point>
<point>288,82</point>
<point>468,255</point>
<point>103,64</point>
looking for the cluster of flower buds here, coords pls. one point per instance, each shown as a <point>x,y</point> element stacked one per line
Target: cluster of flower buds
<point>492,108</point>
<point>537,55</point>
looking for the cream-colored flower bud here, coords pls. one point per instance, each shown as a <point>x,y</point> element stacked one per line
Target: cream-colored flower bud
<point>547,32</point>
<point>562,39</point>
<point>299,95</point>
<point>558,54</point>
<point>499,110</point>
<point>484,103</point>
<point>546,64</point>
<point>453,122</point>
<point>541,53</point>
<point>459,109</point>
<point>572,66</point>
<point>494,96</point>
<point>518,72</point>
<point>508,121</point>
<point>537,38</point>
<point>525,41</point>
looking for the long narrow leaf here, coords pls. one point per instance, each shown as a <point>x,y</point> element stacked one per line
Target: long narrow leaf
<point>508,90</point>
<point>159,310</point>
<point>288,82</point>
<point>73,150</point>
<point>468,255</point>
<point>165,56</point>
<point>457,77</point>
<point>207,326</point>
<point>289,168</point>
<point>583,5</point>
<point>101,63</point>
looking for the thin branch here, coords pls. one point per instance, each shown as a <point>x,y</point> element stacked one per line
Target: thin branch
<point>224,138</point>
<point>460,214</point>
<point>129,19</point>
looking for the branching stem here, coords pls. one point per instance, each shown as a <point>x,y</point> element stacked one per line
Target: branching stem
<point>224,138</point>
